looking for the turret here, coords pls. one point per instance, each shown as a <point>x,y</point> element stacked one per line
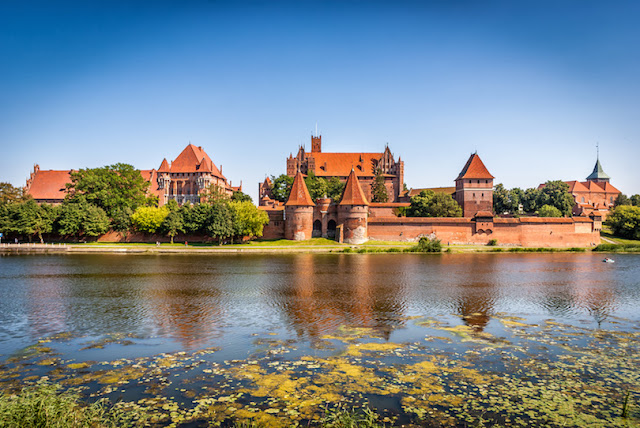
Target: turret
<point>474,187</point>
<point>316,144</point>
<point>298,211</point>
<point>353,212</point>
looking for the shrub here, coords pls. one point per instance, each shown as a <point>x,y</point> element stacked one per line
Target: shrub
<point>492,242</point>
<point>426,245</point>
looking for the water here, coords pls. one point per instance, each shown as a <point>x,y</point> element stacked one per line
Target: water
<point>285,308</point>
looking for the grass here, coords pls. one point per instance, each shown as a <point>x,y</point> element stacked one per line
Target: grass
<point>44,406</point>
<point>618,248</point>
<point>621,241</point>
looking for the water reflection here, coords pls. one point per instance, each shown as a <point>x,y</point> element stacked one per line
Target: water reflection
<point>203,301</point>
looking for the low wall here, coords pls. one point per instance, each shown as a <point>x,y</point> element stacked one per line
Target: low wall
<point>527,232</point>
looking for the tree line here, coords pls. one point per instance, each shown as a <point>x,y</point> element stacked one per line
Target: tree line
<point>552,200</point>
<point>114,197</point>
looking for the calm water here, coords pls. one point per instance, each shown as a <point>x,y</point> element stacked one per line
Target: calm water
<point>282,308</point>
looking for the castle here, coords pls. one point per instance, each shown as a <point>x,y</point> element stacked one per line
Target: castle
<point>340,165</point>
<point>596,195</point>
<point>186,179</point>
<point>354,219</point>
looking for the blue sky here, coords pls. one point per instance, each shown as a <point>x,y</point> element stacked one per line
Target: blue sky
<point>531,85</point>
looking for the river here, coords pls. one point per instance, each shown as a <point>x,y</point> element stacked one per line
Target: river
<point>426,339</point>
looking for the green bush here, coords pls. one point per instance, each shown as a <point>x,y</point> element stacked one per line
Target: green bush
<point>426,245</point>
<point>492,242</point>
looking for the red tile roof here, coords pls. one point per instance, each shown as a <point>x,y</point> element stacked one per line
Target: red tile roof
<point>575,186</point>
<point>340,164</point>
<point>474,168</point>
<point>593,187</point>
<point>164,166</point>
<point>353,194</point>
<point>194,159</point>
<point>48,184</point>
<point>299,195</point>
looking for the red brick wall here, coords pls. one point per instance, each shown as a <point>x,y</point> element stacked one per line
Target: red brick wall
<point>299,223</point>
<point>517,232</point>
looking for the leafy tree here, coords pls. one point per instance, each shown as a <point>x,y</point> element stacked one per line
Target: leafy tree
<point>172,205</point>
<point>635,200</point>
<point>213,194</point>
<point>426,245</point>
<point>239,196</point>
<point>378,189</point>
<point>625,221</point>
<point>81,218</point>
<point>195,217</point>
<point>549,211</point>
<point>220,221</point>
<point>530,200</point>
<point>335,188</point>
<point>96,222</point>
<point>248,219</point>
<point>317,186</point>
<point>281,186</point>
<point>8,193</point>
<point>443,205</point>
<point>501,202</point>
<point>420,204</point>
<point>121,218</point>
<point>431,204</point>
<point>149,219</point>
<point>173,224</point>
<point>33,219</point>
<point>556,193</point>
<point>113,188</point>
<point>622,199</point>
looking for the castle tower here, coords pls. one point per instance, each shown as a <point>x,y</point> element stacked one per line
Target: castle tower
<point>474,187</point>
<point>353,211</point>
<point>598,175</point>
<point>298,211</point>
<point>316,144</point>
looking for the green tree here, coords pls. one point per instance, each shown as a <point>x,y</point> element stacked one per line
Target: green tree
<point>530,200</point>
<point>8,193</point>
<point>625,221</point>
<point>635,200</point>
<point>214,193</point>
<point>443,205</point>
<point>431,204</point>
<point>420,204</point>
<point>556,193</point>
<point>281,186</point>
<point>549,211</point>
<point>96,222</point>
<point>173,224</point>
<point>220,222</point>
<point>195,217</point>
<point>80,218</point>
<point>33,219</point>
<point>335,188</point>
<point>238,196</point>
<point>113,188</point>
<point>149,219</point>
<point>248,219</point>
<point>622,199</point>
<point>317,186</point>
<point>172,205</point>
<point>501,201</point>
<point>378,188</point>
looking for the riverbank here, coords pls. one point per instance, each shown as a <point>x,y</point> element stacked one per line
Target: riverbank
<point>278,247</point>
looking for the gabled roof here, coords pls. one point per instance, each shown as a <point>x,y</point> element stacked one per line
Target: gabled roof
<point>593,187</point>
<point>299,195</point>
<point>194,159</point>
<point>598,172</point>
<point>576,186</point>
<point>353,194</point>
<point>341,164</point>
<point>474,168</point>
<point>164,166</point>
<point>49,184</point>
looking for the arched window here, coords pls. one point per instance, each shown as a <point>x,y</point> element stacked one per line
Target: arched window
<point>317,229</point>
<point>331,229</point>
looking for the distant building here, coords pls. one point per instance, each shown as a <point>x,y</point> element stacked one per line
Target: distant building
<point>185,179</point>
<point>340,164</point>
<point>189,176</point>
<point>596,195</point>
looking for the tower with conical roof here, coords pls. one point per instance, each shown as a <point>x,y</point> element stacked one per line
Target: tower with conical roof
<point>353,212</point>
<point>474,187</point>
<point>598,175</point>
<point>298,211</point>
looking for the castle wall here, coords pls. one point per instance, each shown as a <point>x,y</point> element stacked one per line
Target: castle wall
<point>275,228</point>
<point>528,232</point>
<point>354,223</point>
